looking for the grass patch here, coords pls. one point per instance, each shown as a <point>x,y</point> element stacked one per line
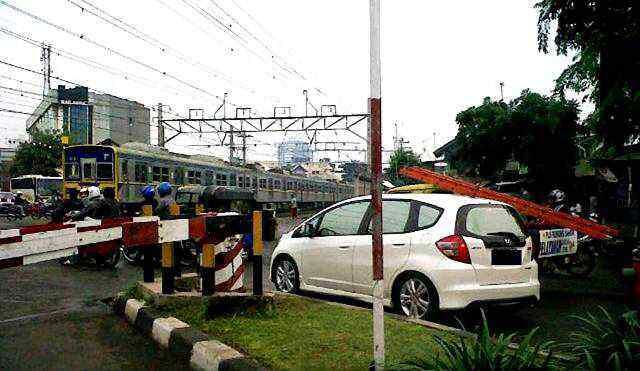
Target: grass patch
<point>299,333</point>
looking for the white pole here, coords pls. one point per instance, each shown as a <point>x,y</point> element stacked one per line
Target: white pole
<point>375,162</point>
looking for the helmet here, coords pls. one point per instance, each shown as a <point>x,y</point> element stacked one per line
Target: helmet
<point>164,189</point>
<point>19,193</point>
<point>148,192</point>
<point>557,196</point>
<point>84,191</point>
<point>93,192</point>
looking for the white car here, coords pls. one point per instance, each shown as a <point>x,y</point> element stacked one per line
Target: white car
<point>441,251</point>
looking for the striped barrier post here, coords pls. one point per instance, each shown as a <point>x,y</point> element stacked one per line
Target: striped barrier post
<point>148,252</point>
<point>220,236</point>
<point>168,261</point>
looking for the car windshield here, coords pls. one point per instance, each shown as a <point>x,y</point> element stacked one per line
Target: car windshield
<point>484,221</point>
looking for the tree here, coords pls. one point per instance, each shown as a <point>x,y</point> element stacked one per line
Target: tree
<point>42,155</point>
<point>605,35</point>
<point>535,130</point>
<point>401,157</point>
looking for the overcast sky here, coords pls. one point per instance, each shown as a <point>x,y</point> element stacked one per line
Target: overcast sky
<point>438,58</point>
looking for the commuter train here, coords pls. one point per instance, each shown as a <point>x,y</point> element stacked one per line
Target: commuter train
<point>130,167</point>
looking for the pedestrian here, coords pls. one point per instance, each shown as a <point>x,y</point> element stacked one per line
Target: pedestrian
<point>294,207</point>
<point>163,210</point>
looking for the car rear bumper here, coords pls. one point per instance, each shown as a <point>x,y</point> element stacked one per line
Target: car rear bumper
<point>504,294</point>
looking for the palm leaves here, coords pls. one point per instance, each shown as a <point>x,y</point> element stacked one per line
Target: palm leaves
<point>606,342</point>
<point>486,353</point>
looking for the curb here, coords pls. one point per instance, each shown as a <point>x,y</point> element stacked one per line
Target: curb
<point>181,339</point>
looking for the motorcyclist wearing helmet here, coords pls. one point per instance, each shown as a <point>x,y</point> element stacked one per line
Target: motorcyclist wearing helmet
<point>558,200</point>
<point>91,205</point>
<point>149,195</point>
<point>166,200</point>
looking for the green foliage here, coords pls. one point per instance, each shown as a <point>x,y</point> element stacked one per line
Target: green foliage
<point>42,155</point>
<point>602,34</point>
<point>607,343</point>
<point>485,353</point>
<point>523,130</point>
<point>401,157</point>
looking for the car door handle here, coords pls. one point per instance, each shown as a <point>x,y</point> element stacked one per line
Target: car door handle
<point>398,244</point>
<point>344,246</point>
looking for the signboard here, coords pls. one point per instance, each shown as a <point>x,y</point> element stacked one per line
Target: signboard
<point>554,242</point>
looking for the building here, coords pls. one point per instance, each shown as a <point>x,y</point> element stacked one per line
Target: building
<point>322,170</point>
<point>7,152</point>
<point>294,152</point>
<point>88,117</point>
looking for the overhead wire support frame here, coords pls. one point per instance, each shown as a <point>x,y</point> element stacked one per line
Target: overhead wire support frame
<point>270,124</point>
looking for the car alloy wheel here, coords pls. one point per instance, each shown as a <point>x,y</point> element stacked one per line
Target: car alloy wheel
<point>286,276</point>
<point>414,298</point>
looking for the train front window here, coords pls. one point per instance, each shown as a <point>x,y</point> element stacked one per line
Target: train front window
<point>71,170</point>
<point>105,171</point>
<point>88,170</point>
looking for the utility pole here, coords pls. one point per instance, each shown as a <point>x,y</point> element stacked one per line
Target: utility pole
<point>375,156</point>
<point>161,141</point>
<point>46,66</point>
<point>231,147</point>
<point>501,91</point>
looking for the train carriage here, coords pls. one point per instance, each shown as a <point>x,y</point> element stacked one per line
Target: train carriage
<point>130,167</point>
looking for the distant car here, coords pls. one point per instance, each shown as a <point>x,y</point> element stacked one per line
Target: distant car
<point>441,252</point>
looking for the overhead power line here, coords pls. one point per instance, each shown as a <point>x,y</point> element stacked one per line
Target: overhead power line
<point>96,65</point>
<point>264,45</point>
<point>109,49</point>
<point>154,42</point>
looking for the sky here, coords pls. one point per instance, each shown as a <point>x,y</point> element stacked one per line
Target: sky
<point>438,58</point>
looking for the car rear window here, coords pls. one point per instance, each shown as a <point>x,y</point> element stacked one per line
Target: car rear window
<point>484,221</point>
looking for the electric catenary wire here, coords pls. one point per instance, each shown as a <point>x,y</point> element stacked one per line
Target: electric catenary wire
<point>109,49</point>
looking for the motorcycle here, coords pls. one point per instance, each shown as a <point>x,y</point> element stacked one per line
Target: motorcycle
<point>11,211</point>
<point>105,254</point>
<point>187,250</point>
<point>564,250</point>
<point>39,210</point>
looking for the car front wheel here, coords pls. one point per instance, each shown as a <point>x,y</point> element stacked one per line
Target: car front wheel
<point>416,298</point>
<point>286,276</point>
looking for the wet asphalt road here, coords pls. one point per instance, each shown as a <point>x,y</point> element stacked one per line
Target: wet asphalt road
<point>52,317</point>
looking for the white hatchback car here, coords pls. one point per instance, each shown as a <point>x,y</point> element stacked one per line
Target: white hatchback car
<point>441,251</point>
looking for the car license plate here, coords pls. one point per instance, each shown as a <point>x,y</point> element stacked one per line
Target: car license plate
<point>506,257</point>
<point>554,242</point>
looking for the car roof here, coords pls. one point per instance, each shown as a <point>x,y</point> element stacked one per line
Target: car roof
<point>437,199</point>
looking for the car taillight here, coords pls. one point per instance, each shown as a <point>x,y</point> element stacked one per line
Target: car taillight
<point>454,247</point>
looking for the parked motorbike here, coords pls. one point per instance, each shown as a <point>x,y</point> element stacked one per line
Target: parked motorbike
<point>11,211</point>
<point>580,263</point>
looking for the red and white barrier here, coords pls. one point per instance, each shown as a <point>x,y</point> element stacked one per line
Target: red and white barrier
<point>34,244</point>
